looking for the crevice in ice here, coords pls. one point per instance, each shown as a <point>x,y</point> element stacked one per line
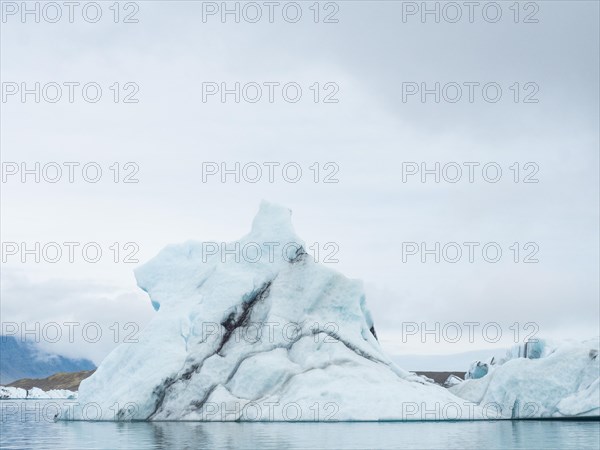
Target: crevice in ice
<point>206,277</point>
<point>299,256</point>
<point>232,323</point>
<point>250,355</point>
<point>372,330</point>
<point>160,392</point>
<point>284,385</point>
<point>197,404</point>
<point>352,347</point>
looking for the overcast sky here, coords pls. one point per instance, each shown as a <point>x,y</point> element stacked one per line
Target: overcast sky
<point>369,135</point>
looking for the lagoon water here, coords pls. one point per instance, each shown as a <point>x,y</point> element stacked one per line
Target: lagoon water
<point>27,424</point>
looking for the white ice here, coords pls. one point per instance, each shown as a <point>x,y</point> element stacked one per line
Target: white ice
<point>540,379</point>
<point>9,392</point>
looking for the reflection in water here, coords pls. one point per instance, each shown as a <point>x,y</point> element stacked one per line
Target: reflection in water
<point>28,429</point>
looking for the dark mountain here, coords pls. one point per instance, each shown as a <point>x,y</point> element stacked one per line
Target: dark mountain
<point>25,360</point>
<point>62,380</point>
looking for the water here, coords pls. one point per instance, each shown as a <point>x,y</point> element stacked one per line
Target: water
<point>26,424</point>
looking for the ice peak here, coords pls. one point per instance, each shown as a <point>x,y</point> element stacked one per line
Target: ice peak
<point>272,221</point>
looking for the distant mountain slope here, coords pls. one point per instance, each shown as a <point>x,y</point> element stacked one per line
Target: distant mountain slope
<point>25,360</point>
<point>62,380</point>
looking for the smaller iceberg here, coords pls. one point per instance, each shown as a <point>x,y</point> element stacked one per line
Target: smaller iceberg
<point>537,379</point>
<point>9,392</point>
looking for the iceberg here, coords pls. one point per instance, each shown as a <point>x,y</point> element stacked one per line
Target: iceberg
<point>256,330</point>
<point>9,392</point>
<point>538,379</point>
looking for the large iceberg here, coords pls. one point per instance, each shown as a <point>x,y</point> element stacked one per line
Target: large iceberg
<point>538,379</point>
<point>256,330</point>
